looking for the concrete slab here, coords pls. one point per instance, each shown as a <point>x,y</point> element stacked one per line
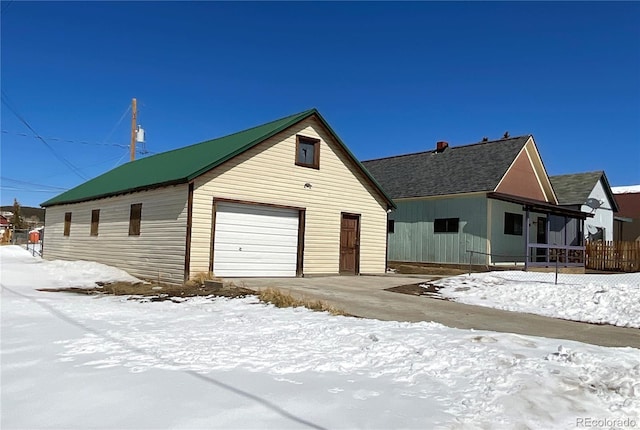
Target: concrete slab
<point>365,296</point>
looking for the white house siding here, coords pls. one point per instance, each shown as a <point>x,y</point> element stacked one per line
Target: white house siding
<point>267,174</point>
<point>157,253</point>
<point>603,216</point>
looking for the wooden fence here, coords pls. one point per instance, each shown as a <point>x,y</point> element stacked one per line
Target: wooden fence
<point>610,255</point>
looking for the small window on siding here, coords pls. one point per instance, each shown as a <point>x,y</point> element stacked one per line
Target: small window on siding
<point>446,225</point>
<point>308,152</point>
<point>95,219</point>
<point>513,224</point>
<point>391,226</point>
<point>67,223</point>
<point>134,219</point>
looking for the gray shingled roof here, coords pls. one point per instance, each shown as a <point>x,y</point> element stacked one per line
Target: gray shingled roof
<point>459,169</point>
<point>574,189</point>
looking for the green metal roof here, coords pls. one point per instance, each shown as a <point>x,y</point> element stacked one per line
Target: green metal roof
<point>184,164</point>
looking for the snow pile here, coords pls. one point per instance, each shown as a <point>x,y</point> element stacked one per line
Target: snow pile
<point>61,274</point>
<point>109,362</point>
<point>601,299</point>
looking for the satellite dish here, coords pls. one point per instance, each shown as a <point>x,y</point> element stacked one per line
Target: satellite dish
<point>593,203</point>
<point>592,229</point>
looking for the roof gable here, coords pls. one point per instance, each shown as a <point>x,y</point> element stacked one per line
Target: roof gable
<point>471,168</point>
<point>575,188</point>
<point>521,179</point>
<point>184,164</point>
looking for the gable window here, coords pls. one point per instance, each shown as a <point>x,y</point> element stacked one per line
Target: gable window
<point>67,223</point>
<point>391,226</point>
<point>95,219</point>
<point>135,215</point>
<point>445,225</point>
<point>513,224</point>
<point>307,152</point>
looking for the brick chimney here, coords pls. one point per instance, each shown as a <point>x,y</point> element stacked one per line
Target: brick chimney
<point>441,146</point>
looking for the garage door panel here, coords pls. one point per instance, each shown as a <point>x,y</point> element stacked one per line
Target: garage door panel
<point>252,240</point>
<point>258,258</point>
<point>249,235</point>
<point>246,240</point>
<point>256,230</point>
<point>227,248</point>
<point>274,222</point>
<point>259,272</point>
<point>243,212</point>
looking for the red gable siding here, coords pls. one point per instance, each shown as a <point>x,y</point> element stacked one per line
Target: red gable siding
<point>521,180</point>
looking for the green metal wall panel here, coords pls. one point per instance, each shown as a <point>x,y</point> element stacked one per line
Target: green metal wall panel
<point>414,238</point>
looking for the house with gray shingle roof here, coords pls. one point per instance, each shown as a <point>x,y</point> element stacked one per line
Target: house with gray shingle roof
<point>588,192</point>
<point>487,203</point>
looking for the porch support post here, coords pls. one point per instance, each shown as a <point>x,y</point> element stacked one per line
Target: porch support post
<point>526,238</point>
<point>582,244</point>
<point>566,245</point>
<point>547,234</point>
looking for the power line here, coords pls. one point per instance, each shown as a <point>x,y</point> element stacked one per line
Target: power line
<point>117,123</point>
<point>141,151</point>
<point>74,169</point>
<point>17,181</point>
<point>29,190</point>
<point>58,139</point>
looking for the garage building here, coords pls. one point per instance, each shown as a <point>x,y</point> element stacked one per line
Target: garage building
<point>286,198</point>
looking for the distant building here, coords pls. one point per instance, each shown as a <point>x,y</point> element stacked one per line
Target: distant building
<point>627,219</point>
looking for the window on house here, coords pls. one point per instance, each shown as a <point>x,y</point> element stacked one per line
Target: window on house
<point>391,226</point>
<point>446,225</point>
<point>95,219</point>
<point>67,223</point>
<point>513,224</point>
<point>308,152</point>
<point>134,219</point>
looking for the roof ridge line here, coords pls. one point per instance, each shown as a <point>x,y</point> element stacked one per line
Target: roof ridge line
<point>229,135</point>
<point>304,112</point>
<point>579,173</point>
<point>449,148</point>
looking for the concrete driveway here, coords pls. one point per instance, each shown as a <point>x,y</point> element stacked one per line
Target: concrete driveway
<point>365,296</point>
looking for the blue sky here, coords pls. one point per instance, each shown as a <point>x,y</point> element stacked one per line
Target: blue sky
<point>389,77</point>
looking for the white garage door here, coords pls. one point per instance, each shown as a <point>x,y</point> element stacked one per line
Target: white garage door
<point>253,240</point>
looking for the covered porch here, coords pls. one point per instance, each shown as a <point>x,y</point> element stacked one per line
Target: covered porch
<point>552,235</point>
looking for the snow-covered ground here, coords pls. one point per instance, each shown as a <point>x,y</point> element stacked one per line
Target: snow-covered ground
<point>71,361</point>
<point>600,299</point>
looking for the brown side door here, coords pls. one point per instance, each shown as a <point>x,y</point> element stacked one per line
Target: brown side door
<point>350,244</point>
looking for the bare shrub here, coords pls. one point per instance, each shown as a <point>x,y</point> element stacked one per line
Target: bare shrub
<point>281,299</point>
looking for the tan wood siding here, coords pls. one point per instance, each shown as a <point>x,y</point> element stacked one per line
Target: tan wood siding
<point>157,253</point>
<point>267,173</point>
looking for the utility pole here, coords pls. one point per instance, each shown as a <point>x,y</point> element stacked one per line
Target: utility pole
<point>134,115</point>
